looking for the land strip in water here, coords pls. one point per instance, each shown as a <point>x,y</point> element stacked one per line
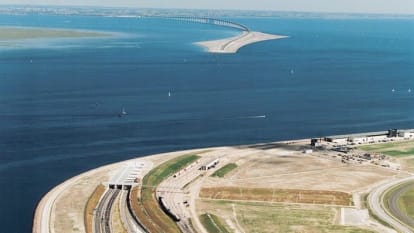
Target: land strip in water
<point>294,183</point>
<point>233,44</point>
<point>24,33</point>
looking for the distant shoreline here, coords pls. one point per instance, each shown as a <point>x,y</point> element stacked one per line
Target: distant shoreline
<point>12,33</point>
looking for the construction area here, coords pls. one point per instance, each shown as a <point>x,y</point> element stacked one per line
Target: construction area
<point>313,185</point>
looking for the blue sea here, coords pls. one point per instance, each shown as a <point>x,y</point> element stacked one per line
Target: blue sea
<point>59,99</point>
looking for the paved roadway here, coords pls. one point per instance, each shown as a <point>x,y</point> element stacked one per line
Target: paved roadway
<point>393,204</point>
<point>103,211</point>
<point>126,217</point>
<point>375,200</point>
<point>174,196</point>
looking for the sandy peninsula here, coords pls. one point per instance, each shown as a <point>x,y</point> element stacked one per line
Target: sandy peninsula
<point>233,44</point>
<point>25,33</point>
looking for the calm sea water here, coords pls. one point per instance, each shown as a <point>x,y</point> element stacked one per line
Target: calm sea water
<point>59,100</point>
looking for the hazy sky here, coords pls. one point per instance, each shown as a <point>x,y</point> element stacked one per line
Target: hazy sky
<point>363,6</point>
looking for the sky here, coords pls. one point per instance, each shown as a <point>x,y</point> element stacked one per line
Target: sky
<point>344,6</point>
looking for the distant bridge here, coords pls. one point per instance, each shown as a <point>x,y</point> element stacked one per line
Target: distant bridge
<point>219,22</point>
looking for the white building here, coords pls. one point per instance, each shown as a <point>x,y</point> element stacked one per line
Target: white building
<point>406,134</point>
<point>209,165</point>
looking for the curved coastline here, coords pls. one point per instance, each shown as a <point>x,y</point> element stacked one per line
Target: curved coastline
<point>227,45</point>
<point>233,44</point>
<point>43,213</point>
<point>44,217</point>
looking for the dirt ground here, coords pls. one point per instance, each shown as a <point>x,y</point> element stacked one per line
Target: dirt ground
<point>278,195</point>
<point>287,168</point>
<point>397,149</point>
<point>67,215</point>
<point>407,163</point>
<point>69,209</point>
<point>272,218</point>
<point>276,166</point>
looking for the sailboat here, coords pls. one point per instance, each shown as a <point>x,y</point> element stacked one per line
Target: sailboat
<point>169,94</point>
<point>122,113</point>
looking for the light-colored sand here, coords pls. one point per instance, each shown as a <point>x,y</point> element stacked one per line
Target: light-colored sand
<point>276,165</point>
<point>233,44</point>
<point>23,33</point>
<point>61,210</point>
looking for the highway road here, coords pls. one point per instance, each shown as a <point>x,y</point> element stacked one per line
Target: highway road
<point>375,200</point>
<point>103,211</point>
<point>393,204</point>
<point>174,196</point>
<point>126,217</point>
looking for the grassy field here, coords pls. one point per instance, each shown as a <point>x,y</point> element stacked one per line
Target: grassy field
<point>272,218</point>
<point>7,33</point>
<point>406,203</point>
<point>146,207</point>
<point>278,195</point>
<point>396,149</point>
<point>90,206</point>
<point>158,174</point>
<point>140,212</point>
<point>212,223</point>
<point>224,170</point>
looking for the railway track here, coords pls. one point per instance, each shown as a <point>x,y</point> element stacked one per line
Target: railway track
<point>102,218</point>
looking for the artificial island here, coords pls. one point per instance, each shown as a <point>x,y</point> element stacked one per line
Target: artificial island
<point>232,44</point>
<point>348,183</point>
<point>8,35</point>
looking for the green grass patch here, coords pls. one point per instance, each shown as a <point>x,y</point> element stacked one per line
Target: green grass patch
<point>148,200</point>
<point>224,170</point>
<point>401,204</point>
<point>158,174</point>
<point>406,203</point>
<point>398,153</point>
<point>258,217</point>
<point>212,223</point>
<point>395,149</point>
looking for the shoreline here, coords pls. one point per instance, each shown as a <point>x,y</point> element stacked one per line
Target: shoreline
<point>44,212</point>
<point>22,33</point>
<point>233,44</point>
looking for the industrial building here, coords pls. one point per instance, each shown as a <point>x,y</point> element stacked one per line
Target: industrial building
<point>406,134</point>
<point>209,165</point>
<point>368,137</point>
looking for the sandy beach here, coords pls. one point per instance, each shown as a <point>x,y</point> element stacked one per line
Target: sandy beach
<point>233,44</point>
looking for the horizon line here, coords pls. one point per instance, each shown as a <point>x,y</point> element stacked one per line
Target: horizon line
<point>210,9</point>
